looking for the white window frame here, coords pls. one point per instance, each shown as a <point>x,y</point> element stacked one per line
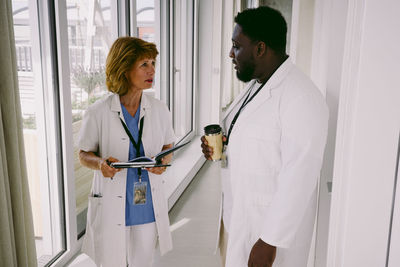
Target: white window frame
<point>180,63</point>
<point>51,189</point>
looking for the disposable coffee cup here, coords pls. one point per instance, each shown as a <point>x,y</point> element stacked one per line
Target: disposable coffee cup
<point>213,135</point>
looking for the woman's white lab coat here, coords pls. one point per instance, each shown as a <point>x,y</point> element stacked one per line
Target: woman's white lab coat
<point>275,155</point>
<point>102,131</point>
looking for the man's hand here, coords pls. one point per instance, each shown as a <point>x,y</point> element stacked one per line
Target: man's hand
<point>206,149</point>
<point>262,255</point>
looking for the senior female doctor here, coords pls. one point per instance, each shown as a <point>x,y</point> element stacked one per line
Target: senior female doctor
<point>122,228</point>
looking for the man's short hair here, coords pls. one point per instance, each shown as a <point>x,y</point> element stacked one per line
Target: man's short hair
<point>264,24</point>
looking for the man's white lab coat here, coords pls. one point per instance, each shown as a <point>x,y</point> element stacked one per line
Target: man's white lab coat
<point>275,156</point>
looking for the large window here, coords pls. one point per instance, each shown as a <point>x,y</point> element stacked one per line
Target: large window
<point>61,48</point>
<point>40,129</point>
<point>145,27</point>
<point>182,57</point>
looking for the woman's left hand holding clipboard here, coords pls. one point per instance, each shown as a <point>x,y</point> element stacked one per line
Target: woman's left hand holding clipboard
<point>164,161</point>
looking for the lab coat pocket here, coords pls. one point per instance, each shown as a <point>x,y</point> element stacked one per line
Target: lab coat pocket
<point>262,199</point>
<point>93,236</point>
<point>263,134</point>
<point>261,150</point>
<point>94,211</point>
<point>258,207</point>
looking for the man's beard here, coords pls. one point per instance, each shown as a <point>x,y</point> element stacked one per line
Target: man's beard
<point>247,72</point>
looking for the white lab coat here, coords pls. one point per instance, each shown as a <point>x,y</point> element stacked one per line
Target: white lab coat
<point>102,131</point>
<point>275,155</point>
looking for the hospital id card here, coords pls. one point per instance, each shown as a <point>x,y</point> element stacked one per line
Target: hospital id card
<point>139,193</point>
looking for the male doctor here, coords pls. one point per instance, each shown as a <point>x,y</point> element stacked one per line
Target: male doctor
<point>275,134</point>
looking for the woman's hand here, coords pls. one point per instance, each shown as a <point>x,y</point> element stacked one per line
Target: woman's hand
<point>106,169</point>
<point>164,161</point>
<point>91,160</point>
<point>160,170</point>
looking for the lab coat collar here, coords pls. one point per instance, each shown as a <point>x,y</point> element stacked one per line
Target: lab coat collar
<point>280,74</point>
<point>265,93</point>
<point>144,104</point>
<point>116,105</point>
<point>238,99</point>
<point>273,83</point>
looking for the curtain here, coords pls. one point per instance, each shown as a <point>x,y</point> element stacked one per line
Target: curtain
<point>230,85</point>
<point>17,244</point>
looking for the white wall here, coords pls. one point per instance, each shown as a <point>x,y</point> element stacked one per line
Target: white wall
<point>326,70</point>
<point>394,257</point>
<point>367,137</point>
<point>304,34</point>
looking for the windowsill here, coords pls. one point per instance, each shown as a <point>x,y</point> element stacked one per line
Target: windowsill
<point>185,165</point>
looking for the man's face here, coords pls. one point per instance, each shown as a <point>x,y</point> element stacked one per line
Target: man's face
<point>242,55</point>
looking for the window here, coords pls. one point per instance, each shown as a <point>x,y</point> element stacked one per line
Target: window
<point>182,34</point>
<point>145,24</point>
<point>172,26</point>
<point>40,130</point>
<point>145,21</point>
<point>61,51</point>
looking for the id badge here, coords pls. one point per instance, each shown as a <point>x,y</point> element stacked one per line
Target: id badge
<point>139,193</point>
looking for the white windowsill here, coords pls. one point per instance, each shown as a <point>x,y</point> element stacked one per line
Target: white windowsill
<point>185,165</point>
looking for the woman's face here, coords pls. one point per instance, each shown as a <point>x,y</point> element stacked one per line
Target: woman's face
<point>141,75</point>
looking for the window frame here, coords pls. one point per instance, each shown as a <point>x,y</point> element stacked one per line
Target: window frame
<point>172,72</point>
<point>73,241</point>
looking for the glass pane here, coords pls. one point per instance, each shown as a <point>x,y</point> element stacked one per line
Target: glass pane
<point>91,31</point>
<point>37,131</point>
<point>146,29</point>
<point>183,68</point>
<point>145,20</point>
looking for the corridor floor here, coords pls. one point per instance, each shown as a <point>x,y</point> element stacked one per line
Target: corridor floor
<point>194,223</point>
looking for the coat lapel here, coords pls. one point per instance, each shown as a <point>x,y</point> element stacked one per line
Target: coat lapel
<point>144,105</point>
<point>148,133</point>
<point>237,99</point>
<point>265,93</point>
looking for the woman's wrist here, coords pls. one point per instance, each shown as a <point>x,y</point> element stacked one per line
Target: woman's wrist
<point>99,163</point>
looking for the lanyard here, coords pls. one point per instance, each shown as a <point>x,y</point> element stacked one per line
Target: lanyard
<point>136,145</point>
<point>245,102</point>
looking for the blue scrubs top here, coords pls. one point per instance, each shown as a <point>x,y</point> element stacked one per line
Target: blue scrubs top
<point>139,213</point>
